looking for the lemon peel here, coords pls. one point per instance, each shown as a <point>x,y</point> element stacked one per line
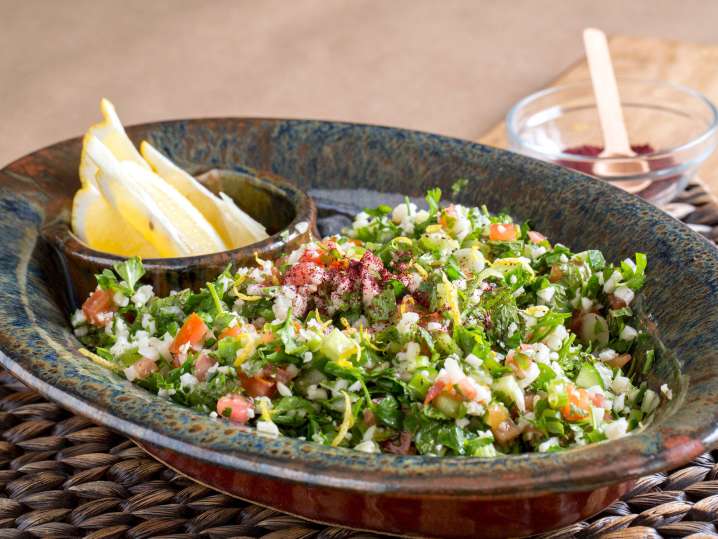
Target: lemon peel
<point>98,225</point>
<point>111,133</point>
<point>154,208</point>
<point>347,421</point>
<point>235,227</point>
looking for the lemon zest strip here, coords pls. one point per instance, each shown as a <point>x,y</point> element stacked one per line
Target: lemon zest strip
<point>347,422</point>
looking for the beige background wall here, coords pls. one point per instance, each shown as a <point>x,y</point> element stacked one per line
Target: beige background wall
<point>448,66</point>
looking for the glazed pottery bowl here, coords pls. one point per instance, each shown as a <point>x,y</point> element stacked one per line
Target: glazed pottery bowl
<point>473,497</point>
<point>286,211</point>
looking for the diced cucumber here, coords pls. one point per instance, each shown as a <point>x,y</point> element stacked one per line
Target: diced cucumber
<point>549,444</point>
<point>438,243</point>
<point>509,388</point>
<point>488,273</point>
<point>557,395</point>
<point>338,346</point>
<point>634,419</point>
<point>650,402</point>
<point>504,265</point>
<point>589,376</point>
<point>314,342</point>
<point>605,373</point>
<point>421,381</point>
<point>596,417</point>
<point>447,405</point>
<point>445,345</point>
<point>594,328</point>
<point>484,451</point>
<point>308,378</point>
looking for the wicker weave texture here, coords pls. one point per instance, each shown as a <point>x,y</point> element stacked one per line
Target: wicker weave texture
<point>63,476</point>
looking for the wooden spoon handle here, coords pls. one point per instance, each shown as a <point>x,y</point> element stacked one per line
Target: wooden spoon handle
<point>615,137</point>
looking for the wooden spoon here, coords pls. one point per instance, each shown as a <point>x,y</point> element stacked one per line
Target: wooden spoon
<point>608,101</point>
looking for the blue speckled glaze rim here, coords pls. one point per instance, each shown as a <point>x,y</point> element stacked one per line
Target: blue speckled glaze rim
<point>38,348</point>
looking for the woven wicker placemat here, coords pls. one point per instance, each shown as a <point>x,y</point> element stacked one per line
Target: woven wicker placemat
<point>63,476</point>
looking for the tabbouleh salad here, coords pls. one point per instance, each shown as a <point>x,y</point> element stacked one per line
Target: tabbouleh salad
<point>445,331</point>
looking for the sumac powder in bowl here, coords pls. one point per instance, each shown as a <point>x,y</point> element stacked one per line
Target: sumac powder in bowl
<point>673,129</point>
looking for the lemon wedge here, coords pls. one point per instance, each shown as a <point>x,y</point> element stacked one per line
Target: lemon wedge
<point>97,224</point>
<point>155,209</point>
<point>241,228</point>
<point>112,134</point>
<point>235,226</point>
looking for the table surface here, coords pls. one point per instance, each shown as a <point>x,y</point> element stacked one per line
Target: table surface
<point>449,67</point>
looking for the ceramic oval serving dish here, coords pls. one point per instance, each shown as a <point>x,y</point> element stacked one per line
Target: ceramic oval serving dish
<point>448,497</point>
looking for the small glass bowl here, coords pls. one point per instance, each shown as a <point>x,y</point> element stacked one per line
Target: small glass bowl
<point>679,125</point>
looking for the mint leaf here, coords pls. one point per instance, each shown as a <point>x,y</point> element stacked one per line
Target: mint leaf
<point>379,211</point>
<point>382,306</point>
<point>458,186</point>
<point>635,279</point>
<point>433,197</point>
<point>107,280</point>
<point>388,412</point>
<point>131,270</point>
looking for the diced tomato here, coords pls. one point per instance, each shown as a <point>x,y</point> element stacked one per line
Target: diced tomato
<point>258,386</point>
<point>597,399</point>
<point>286,374</point>
<point>434,391</point>
<point>506,431</point>
<point>556,274</point>
<point>510,361</point>
<point>311,256</point>
<point>193,331</point>
<point>234,331</point>
<point>502,426</point>
<point>535,237</point>
<point>576,322</point>
<point>203,363</point>
<point>339,264</point>
<point>446,215</point>
<point>620,361</point>
<point>518,362</point>
<point>179,359</point>
<point>467,389</point>
<point>144,367</point>
<point>496,414</point>
<point>97,307</point>
<point>241,408</point>
<point>403,447</point>
<point>578,406</point>
<point>426,318</point>
<point>503,232</point>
